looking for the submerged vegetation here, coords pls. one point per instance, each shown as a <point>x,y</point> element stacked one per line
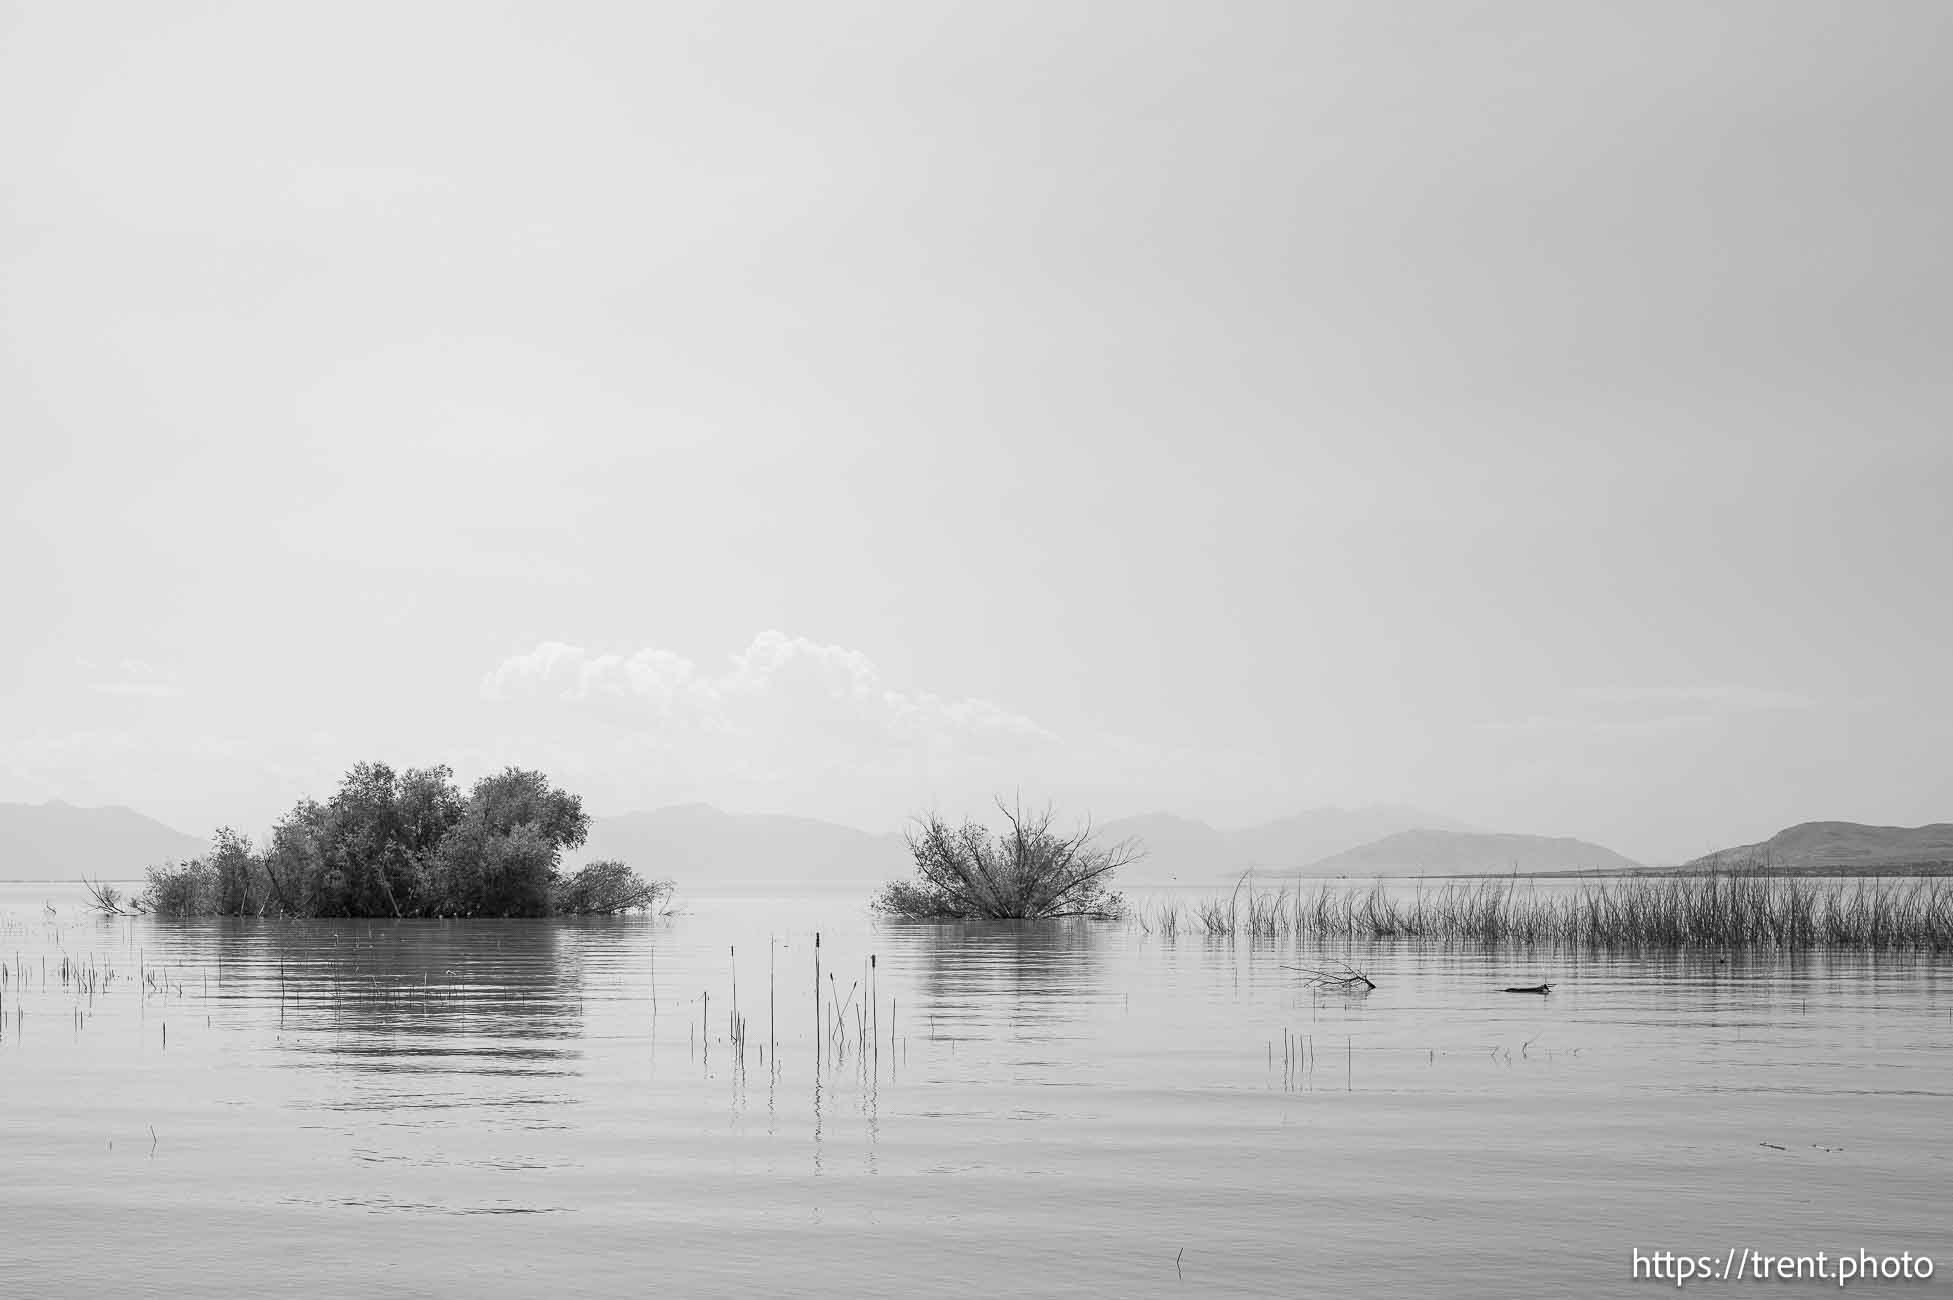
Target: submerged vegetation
<point>1727,910</point>
<point>405,844</point>
<point>1028,872</point>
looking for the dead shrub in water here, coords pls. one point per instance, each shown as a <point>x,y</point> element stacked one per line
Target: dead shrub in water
<point>1028,872</point>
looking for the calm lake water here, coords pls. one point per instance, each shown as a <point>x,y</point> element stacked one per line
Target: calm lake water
<point>491,1109</point>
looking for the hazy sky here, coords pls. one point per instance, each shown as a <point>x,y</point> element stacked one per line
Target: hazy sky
<point>1535,412</point>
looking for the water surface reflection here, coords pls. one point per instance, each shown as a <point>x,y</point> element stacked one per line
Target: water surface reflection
<point>494,1108</point>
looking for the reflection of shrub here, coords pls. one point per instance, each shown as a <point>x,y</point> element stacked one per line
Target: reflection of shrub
<point>605,889</point>
<point>406,844</point>
<point>1027,872</point>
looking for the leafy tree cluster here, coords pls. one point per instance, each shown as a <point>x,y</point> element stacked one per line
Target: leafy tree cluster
<point>407,844</point>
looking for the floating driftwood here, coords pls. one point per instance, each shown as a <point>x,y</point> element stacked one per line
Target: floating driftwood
<point>1340,976</point>
<point>1533,988</point>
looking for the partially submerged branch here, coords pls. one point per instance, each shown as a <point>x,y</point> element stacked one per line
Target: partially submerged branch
<point>104,898</point>
<point>1342,976</point>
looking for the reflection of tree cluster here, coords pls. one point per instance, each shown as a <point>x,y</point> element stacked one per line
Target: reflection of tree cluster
<point>484,998</point>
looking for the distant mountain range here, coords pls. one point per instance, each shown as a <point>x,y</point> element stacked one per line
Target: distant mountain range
<point>1842,846</point>
<point>58,841</point>
<point>696,845</point>
<point>701,848</point>
<point>1182,850</point>
<point>1464,851</point>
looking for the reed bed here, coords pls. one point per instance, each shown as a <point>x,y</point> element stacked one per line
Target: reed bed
<point>1725,910</point>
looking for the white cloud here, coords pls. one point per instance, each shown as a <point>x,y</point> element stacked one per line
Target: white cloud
<point>570,672</point>
<point>135,677</point>
<point>153,690</point>
<point>789,724</point>
<point>784,711</point>
<point>376,191</point>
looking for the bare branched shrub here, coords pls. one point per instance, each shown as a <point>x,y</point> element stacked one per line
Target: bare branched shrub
<point>1028,872</point>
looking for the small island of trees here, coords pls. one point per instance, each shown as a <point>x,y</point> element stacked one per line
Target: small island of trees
<point>404,844</point>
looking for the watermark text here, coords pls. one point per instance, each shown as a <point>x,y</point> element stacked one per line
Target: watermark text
<point>1743,1264</point>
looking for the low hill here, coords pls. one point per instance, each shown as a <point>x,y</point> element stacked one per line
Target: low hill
<point>1296,843</point>
<point>702,848</point>
<point>1466,851</point>
<point>1183,850</point>
<point>59,841</point>
<point>1174,848</point>
<point>1842,846</point>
